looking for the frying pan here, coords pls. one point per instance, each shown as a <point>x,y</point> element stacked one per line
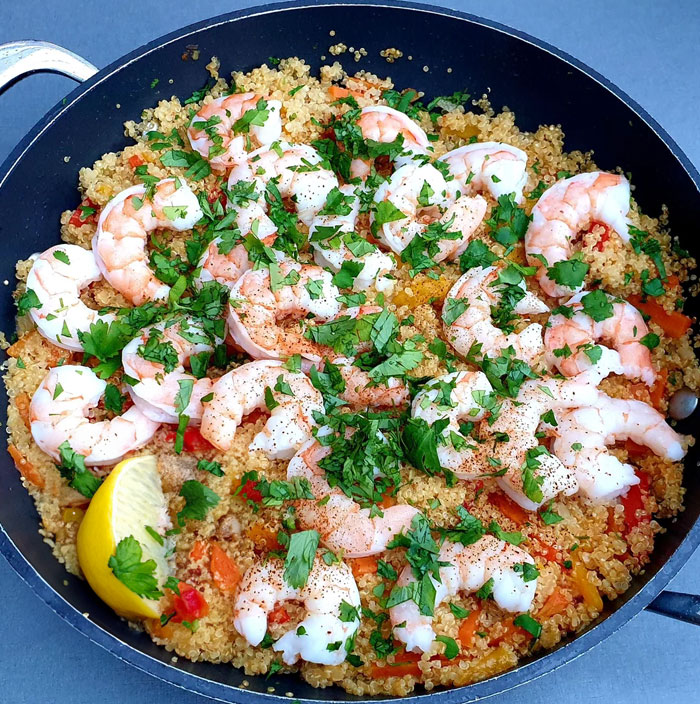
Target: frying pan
<point>483,56</point>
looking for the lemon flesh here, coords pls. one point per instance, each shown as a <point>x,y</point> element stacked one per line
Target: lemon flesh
<point>129,500</point>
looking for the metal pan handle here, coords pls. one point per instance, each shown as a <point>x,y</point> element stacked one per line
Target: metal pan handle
<point>17,59</point>
<point>684,607</point>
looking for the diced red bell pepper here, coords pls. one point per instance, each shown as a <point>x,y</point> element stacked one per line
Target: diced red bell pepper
<point>278,615</point>
<point>190,605</point>
<point>633,502</point>
<point>250,491</point>
<point>84,214</point>
<point>192,440</point>
<point>600,244</point>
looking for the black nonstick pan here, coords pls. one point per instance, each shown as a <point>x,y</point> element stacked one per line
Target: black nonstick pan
<point>483,56</point>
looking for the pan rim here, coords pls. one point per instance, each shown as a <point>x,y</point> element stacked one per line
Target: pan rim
<point>220,691</point>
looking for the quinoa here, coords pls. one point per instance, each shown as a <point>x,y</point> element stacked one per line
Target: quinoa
<point>585,556</point>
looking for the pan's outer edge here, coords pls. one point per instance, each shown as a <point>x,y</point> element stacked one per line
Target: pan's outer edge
<point>222,692</point>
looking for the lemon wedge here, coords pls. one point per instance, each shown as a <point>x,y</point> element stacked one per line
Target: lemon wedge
<point>129,504</point>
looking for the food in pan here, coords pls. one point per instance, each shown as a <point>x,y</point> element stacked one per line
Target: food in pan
<point>330,378</point>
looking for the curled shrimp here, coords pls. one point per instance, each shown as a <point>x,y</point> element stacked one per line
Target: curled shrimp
<point>158,388</point>
<point>340,521</point>
<point>242,391</point>
<point>322,635</point>
<point>458,396</point>
<point>478,289</point>
<point>258,306</point>
<point>217,132</point>
<point>582,435</point>
<point>297,172</point>
<point>362,392</point>
<point>568,341</point>
<point>468,568</point>
<point>493,167</point>
<point>122,233</point>
<point>59,413</point>
<point>421,193</point>
<point>381,123</point>
<point>334,242</point>
<point>565,209</point>
<point>57,277</point>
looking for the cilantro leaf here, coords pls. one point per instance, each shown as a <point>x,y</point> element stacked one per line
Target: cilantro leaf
<point>128,568</point>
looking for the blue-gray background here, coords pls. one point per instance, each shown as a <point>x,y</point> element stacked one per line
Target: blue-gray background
<point>648,48</point>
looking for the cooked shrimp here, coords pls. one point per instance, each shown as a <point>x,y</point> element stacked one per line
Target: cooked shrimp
<point>242,390</point>
<point>57,277</point>
<point>59,413</point>
<point>322,635</point>
<point>381,123</point>
<point>339,520</point>
<point>334,242</point>
<point>568,341</point>
<point>516,444</point>
<point>468,568</point>
<point>256,311</point>
<point>421,193</point>
<point>298,173</point>
<point>492,167</point>
<point>478,289</point>
<point>458,396</point>
<point>582,434</point>
<point>361,391</point>
<point>122,233</point>
<point>216,133</point>
<point>156,389</point>
<point>565,209</point>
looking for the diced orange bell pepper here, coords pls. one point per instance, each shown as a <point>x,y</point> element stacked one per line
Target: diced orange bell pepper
<point>509,508</point>
<point>405,664</point>
<point>264,539</point>
<point>26,468</point>
<point>363,565</point>
<point>658,390</point>
<point>199,550</point>
<point>467,629</point>
<point>135,161</point>
<point>278,615</point>
<point>674,324</point>
<point>224,570</point>
<point>543,549</point>
<point>589,592</point>
<point>22,402</point>
<point>555,603</point>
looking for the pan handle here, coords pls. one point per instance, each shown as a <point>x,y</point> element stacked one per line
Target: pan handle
<point>18,59</point>
<point>684,607</point>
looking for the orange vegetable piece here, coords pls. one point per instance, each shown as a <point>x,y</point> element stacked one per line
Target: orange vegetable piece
<point>22,402</point>
<point>264,539</point>
<point>337,92</point>
<point>387,500</point>
<point>199,550</point>
<point>544,550</point>
<point>26,468</point>
<point>405,664</point>
<point>555,603</point>
<point>589,592</point>
<point>509,508</point>
<point>278,615</point>
<point>224,570</point>
<point>674,324</point>
<point>467,629</point>
<point>636,451</point>
<point>363,565</point>
<point>135,161</point>
<point>658,390</point>
<point>511,630</point>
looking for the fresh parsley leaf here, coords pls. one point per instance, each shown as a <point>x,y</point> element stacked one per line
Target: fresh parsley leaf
<point>128,568</point>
